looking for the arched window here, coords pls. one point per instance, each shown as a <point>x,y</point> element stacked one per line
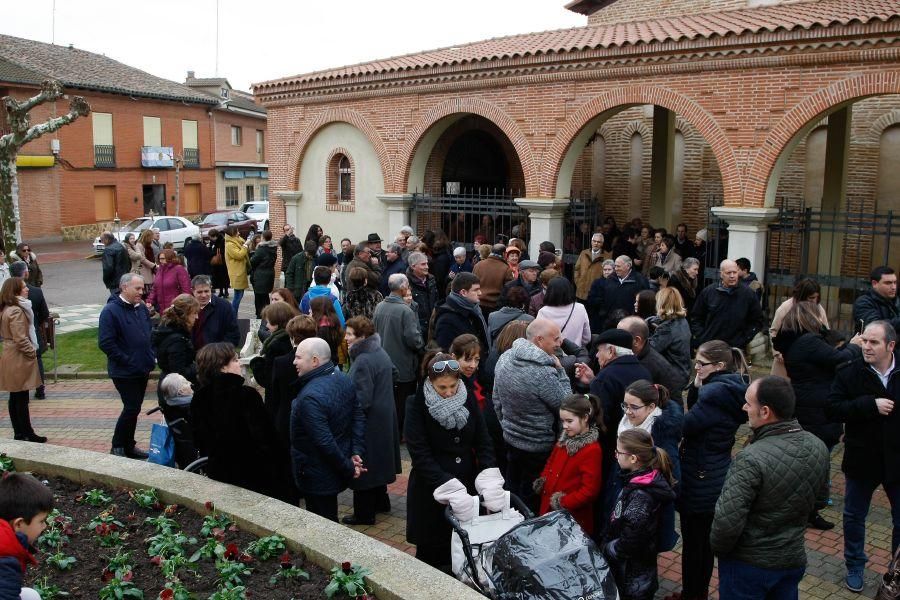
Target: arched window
<point>344,180</point>
<point>636,174</point>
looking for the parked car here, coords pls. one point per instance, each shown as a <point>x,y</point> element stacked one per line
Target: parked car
<point>220,220</point>
<point>177,230</point>
<point>259,210</point>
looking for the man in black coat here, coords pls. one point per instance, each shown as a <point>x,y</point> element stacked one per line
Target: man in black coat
<point>617,291</point>
<point>726,311</point>
<point>864,397</point>
<point>290,245</point>
<point>527,280</point>
<point>216,321</point>
<point>423,286</point>
<point>461,313</point>
<point>41,318</point>
<point>662,371</point>
<point>115,261</point>
<point>394,263</point>
<point>881,302</point>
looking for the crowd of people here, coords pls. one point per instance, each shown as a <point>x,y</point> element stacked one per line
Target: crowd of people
<point>616,395</point>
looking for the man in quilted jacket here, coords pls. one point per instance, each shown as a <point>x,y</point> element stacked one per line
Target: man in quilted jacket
<point>771,488</point>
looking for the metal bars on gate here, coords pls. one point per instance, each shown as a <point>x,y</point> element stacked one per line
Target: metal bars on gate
<point>489,213</point>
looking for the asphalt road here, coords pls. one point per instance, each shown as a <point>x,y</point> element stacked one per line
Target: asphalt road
<point>74,282</point>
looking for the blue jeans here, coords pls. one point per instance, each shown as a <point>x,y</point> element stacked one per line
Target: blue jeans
<point>857,498</point>
<point>236,300</point>
<point>741,581</point>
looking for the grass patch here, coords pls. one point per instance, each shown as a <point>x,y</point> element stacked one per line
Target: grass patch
<point>77,348</point>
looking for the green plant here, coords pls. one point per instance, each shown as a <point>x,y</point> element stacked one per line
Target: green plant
<point>118,566</point>
<point>6,464</point>
<point>145,498</point>
<point>287,574</point>
<point>61,561</point>
<point>47,590</point>
<point>266,547</point>
<point>163,524</point>
<point>120,589</point>
<point>52,539</point>
<point>168,544</point>
<point>107,529</point>
<point>95,497</point>
<point>229,592</point>
<point>231,572</point>
<point>171,566</point>
<point>175,590</point>
<point>214,521</point>
<point>349,579</point>
<point>213,548</point>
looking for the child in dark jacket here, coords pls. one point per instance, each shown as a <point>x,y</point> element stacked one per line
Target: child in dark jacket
<point>630,540</point>
<point>24,506</point>
<point>571,478</point>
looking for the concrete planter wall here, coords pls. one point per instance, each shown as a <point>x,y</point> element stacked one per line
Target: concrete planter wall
<point>395,574</point>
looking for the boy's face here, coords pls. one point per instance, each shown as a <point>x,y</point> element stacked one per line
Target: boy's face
<point>31,530</point>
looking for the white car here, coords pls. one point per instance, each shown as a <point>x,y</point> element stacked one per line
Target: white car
<point>258,210</point>
<point>177,230</point>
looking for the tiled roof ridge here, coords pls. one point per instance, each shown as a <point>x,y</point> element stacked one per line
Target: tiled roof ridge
<point>155,89</point>
<point>805,14</point>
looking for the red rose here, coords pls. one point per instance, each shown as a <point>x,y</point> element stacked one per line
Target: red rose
<point>209,505</point>
<point>106,576</point>
<point>127,576</point>
<point>286,560</point>
<point>166,594</point>
<point>346,567</point>
<point>156,560</point>
<point>231,551</point>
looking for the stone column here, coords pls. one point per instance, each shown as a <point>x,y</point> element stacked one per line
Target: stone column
<point>662,168</point>
<point>398,206</point>
<point>747,233</point>
<point>291,199</point>
<point>546,220</point>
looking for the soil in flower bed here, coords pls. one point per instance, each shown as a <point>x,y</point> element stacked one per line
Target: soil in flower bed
<point>85,578</point>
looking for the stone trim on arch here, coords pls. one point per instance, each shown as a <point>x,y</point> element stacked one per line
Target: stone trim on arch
<point>687,108</point>
<point>476,106</point>
<point>340,115</point>
<point>809,111</point>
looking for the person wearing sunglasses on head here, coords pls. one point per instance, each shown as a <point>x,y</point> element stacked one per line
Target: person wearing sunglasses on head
<point>449,446</point>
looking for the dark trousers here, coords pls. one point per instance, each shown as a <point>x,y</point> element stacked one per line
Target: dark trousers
<point>402,391</point>
<point>131,390</point>
<point>436,555</point>
<point>260,301</point>
<point>522,468</point>
<point>324,506</point>
<point>857,499</point>
<point>368,502</point>
<point>741,581</point>
<point>40,362</point>
<point>696,555</point>
<point>19,414</point>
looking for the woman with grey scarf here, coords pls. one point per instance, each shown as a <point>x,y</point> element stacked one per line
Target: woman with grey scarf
<point>18,364</point>
<point>447,440</point>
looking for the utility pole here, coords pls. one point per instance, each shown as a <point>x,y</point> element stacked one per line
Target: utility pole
<point>178,160</point>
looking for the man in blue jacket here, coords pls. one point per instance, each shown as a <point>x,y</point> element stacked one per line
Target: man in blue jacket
<point>327,429</point>
<point>125,339</point>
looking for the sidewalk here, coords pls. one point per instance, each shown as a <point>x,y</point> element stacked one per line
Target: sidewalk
<point>82,413</point>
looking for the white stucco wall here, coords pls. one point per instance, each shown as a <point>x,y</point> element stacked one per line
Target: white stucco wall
<point>370,216</point>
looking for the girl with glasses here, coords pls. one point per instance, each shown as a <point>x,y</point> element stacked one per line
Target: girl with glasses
<point>571,478</point>
<point>448,444</point>
<point>715,401</point>
<point>630,543</point>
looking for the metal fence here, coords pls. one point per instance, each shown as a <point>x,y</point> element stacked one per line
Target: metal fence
<point>491,214</point>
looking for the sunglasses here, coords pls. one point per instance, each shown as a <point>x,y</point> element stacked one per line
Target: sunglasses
<point>442,365</point>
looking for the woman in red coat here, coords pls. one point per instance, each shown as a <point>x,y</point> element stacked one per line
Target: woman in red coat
<point>571,478</point>
<point>171,281</point>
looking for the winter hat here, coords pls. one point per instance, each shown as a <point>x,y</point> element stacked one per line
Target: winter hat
<point>512,249</point>
<point>326,260</point>
<point>702,235</point>
<point>616,337</point>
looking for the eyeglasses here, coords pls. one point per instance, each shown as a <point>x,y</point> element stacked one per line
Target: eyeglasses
<point>699,364</point>
<point>441,365</point>
<point>631,407</point>
<point>618,454</point>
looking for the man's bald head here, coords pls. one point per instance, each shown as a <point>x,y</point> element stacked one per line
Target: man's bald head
<point>311,354</point>
<point>638,329</point>
<point>544,334</point>
<point>729,274</point>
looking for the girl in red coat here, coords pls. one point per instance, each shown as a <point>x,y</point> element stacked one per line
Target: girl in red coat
<point>571,478</point>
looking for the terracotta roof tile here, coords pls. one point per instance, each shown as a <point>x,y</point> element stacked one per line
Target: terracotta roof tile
<point>805,15</point>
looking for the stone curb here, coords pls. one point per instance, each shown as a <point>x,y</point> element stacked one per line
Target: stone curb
<point>395,574</point>
<point>154,375</point>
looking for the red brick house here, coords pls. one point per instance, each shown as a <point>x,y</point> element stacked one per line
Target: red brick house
<point>656,108</point>
<point>98,171</point>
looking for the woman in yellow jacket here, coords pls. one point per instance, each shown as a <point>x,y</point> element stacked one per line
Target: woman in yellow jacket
<point>238,262</point>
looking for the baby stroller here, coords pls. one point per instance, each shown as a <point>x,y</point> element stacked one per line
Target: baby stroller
<point>513,555</point>
<point>178,421</point>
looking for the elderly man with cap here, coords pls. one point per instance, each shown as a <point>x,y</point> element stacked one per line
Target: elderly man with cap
<point>493,273</point>
<point>619,368</point>
<point>374,240</point>
<point>527,279</point>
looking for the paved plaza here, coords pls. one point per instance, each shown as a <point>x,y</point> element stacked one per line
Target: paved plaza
<point>81,414</point>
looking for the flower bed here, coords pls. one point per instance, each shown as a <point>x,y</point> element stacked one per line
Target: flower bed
<point>117,544</point>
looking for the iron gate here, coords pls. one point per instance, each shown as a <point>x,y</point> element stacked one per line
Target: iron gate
<point>491,214</point>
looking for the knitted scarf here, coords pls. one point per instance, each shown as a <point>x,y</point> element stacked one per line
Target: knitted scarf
<point>450,412</point>
<point>25,305</point>
<point>625,424</point>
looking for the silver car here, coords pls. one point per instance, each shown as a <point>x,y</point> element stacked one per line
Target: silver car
<point>177,230</point>
<point>259,210</point>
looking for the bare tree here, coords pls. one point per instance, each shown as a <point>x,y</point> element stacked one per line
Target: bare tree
<point>20,133</point>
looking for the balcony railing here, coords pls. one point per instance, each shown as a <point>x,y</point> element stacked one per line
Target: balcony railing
<point>191,158</point>
<point>104,157</point>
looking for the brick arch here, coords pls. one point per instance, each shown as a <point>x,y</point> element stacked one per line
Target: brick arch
<point>875,131</point>
<point>762,180</point>
<point>462,106</point>
<point>617,100</point>
<point>340,115</point>
<point>638,127</point>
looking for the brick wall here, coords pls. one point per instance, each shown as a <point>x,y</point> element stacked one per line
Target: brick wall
<point>246,152</point>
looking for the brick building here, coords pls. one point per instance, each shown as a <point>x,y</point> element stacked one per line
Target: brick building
<point>657,108</point>
<point>239,139</point>
<point>97,172</point>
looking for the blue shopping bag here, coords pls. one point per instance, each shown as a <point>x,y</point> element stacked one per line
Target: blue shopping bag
<point>162,445</point>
